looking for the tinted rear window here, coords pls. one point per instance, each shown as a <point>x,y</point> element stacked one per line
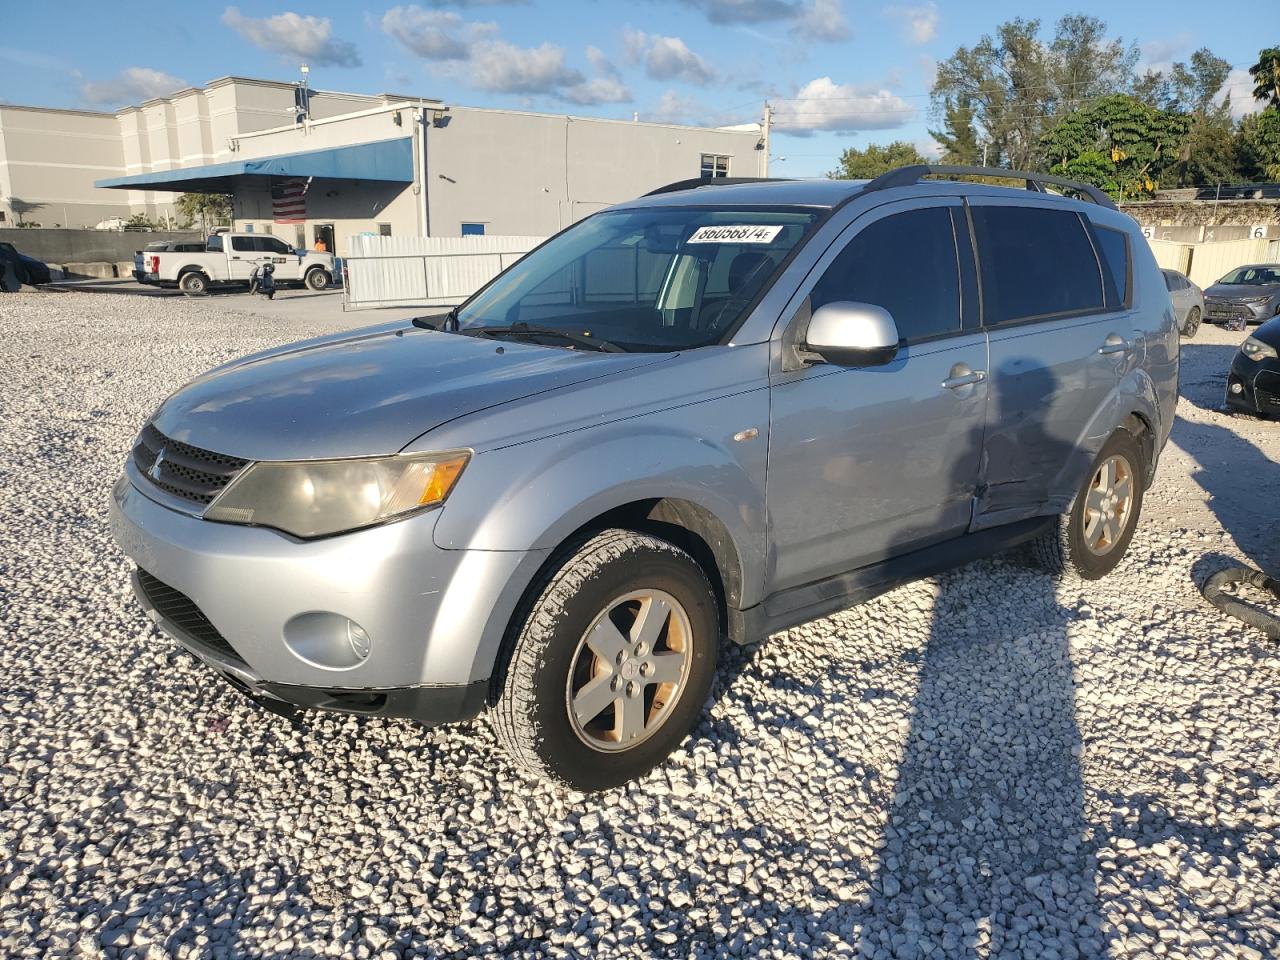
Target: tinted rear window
<point>905,263</point>
<point>1034,262</point>
<point>1114,247</point>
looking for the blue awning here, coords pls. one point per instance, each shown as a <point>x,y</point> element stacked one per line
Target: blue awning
<point>386,160</point>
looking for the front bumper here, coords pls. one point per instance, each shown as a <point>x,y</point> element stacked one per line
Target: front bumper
<point>1224,311</point>
<point>271,612</point>
<point>1259,386</point>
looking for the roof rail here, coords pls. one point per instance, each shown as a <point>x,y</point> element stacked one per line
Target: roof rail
<point>913,174</point>
<point>695,182</point>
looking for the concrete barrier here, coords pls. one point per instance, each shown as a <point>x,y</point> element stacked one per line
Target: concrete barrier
<point>124,268</point>
<point>86,246</point>
<point>97,269</point>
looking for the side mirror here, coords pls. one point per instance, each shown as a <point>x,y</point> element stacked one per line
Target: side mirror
<point>852,334</point>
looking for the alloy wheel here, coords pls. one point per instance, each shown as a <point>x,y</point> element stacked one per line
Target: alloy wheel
<point>1108,504</point>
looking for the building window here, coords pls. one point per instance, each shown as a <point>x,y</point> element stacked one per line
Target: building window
<point>1,216</point>
<point>714,165</point>
<point>384,229</point>
<point>248,228</point>
<point>473,229</point>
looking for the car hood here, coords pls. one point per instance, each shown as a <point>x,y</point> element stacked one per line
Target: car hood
<point>367,393</point>
<point>1242,291</point>
<point>1269,333</point>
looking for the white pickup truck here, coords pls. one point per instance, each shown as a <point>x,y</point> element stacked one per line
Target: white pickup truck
<point>231,258</point>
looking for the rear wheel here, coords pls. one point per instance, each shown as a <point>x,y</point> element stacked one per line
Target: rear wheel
<point>317,278</point>
<point>193,284</point>
<point>1192,323</point>
<point>612,663</point>
<point>1090,540</point>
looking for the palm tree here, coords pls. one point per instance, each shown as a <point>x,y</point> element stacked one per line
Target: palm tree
<point>1266,76</point>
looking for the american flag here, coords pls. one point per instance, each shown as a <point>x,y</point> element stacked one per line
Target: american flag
<point>289,200</point>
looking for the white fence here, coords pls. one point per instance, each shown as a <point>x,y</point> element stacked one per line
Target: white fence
<point>425,271</point>
<point>1204,263</point>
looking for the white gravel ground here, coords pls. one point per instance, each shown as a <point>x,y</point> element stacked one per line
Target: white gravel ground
<point>978,765</point>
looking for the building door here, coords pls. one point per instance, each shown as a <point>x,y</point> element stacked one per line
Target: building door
<point>324,235</point>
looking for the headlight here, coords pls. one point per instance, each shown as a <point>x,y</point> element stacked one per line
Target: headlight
<point>1254,300</point>
<point>313,498</point>
<point>1255,349</point>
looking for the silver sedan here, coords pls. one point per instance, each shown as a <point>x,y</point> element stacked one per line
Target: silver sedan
<point>1188,301</point>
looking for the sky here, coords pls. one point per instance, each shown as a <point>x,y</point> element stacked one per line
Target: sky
<point>838,73</point>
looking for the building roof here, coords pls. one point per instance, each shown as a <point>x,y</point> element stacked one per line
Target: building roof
<point>385,160</point>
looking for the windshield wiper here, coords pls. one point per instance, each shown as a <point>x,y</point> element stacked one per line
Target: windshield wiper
<point>530,330</point>
<point>450,322</point>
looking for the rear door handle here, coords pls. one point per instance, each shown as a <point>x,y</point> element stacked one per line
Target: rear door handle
<point>1115,344</point>
<point>964,379</point>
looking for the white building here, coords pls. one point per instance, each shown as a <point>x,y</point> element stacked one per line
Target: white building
<point>355,164</point>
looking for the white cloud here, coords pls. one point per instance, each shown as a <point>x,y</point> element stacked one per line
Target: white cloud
<point>501,67</point>
<point>1158,55</point>
<point>822,20</point>
<point>131,85</point>
<point>1239,86</point>
<point>605,87</point>
<point>291,34</point>
<point>436,34</point>
<point>666,58</point>
<point>920,23</point>
<point>823,104</point>
<point>673,107</point>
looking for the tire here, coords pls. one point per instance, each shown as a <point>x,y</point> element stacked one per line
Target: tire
<point>317,278</point>
<point>601,592</point>
<point>193,283</point>
<point>1192,323</point>
<point>1064,549</point>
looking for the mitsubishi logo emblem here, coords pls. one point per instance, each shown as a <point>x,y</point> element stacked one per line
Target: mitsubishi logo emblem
<point>154,472</point>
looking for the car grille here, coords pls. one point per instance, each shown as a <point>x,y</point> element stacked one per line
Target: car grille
<point>1266,391</point>
<point>182,613</point>
<point>182,470</point>
<point>1218,309</point>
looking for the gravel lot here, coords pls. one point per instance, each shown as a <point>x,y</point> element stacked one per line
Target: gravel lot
<point>979,765</point>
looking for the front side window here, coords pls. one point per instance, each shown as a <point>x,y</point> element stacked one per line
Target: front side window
<point>714,165</point>
<point>660,278</point>
<point>1034,262</point>
<point>905,263</point>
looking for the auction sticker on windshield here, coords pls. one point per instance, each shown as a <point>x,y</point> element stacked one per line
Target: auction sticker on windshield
<point>735,234</point>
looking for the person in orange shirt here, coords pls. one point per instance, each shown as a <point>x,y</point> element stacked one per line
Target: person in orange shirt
<point>321,247</point>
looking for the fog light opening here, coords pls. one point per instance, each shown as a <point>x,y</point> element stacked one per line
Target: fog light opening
<point>328,640</point>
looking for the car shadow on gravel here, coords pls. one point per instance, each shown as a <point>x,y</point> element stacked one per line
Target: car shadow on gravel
<point>1206,387</point>
<point>1240,483</point>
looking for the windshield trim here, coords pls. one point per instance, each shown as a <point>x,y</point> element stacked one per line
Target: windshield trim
<point>824,213</point>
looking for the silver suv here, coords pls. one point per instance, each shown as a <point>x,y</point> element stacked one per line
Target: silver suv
<point>714,412</point>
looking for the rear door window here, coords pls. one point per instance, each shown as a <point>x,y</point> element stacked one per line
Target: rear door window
<point>243,244</point>
<point>905,263</point>
<point>1035,263</point>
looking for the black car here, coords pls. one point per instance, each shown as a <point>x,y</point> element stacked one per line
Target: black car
<point>29,269</point>
<point>1254,382</point>
<point>1251,294</point>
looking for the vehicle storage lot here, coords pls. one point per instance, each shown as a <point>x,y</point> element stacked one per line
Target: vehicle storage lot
<point>982,764</point>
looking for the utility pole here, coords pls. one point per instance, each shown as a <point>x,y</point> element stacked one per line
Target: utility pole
<point>768,122</point>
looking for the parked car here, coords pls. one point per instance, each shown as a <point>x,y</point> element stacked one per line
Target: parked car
<point>162,246</point>
<point>29,270</point>
<point>1253,385</point>
<point>1188,301</point>
<point>1249,293</point>
<point>724,408</point>
<point>230,259</point>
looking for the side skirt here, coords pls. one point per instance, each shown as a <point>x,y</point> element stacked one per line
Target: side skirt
<point>786,609</point>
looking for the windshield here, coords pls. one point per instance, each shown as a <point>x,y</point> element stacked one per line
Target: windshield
<point>1252,276</point>
<point>659,278</point>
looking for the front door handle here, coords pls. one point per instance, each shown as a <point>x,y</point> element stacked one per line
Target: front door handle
<point>1115,344</point>
<point>958,380</point>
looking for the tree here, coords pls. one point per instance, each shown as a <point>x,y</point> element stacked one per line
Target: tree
<point>958,139</point>
<point>1259,145</point>
<point>866,164</point>
<point>209,209</point>
<point>141,221</point>
<point>1018,86</point>
<point>1266,76</point>
<point>1118,144</point>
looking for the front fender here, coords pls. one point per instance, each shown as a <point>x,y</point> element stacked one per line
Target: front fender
<point>532,496</point>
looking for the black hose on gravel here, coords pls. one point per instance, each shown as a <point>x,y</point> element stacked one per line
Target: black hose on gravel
<point>1213,590</point>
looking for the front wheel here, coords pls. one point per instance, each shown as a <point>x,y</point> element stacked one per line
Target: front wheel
<point>317,279</point>
<point>1192,324</point>
<point>1090,541</point>
<point>612,663</point>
